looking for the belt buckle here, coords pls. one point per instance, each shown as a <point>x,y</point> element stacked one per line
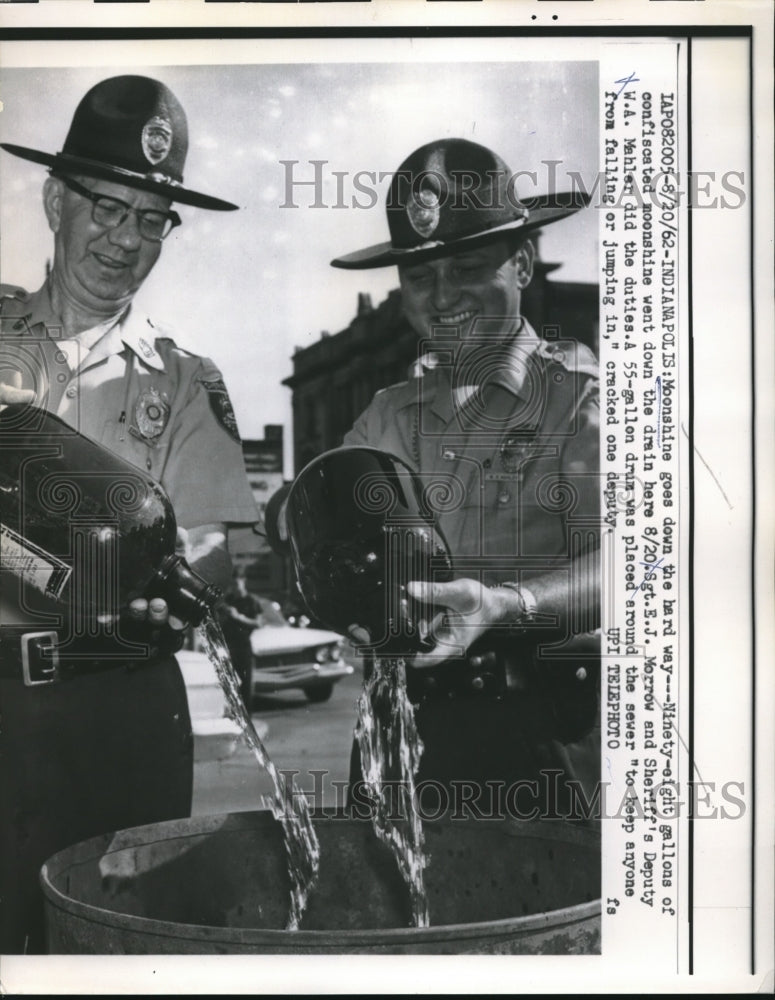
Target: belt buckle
<point>37,668</point>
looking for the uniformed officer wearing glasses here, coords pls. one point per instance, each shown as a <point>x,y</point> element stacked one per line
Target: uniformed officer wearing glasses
<point>109,749</point>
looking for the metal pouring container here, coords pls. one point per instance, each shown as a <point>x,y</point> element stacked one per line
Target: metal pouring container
<point>219,885</point>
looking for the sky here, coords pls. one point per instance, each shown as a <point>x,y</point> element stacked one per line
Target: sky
<point>247,288</point>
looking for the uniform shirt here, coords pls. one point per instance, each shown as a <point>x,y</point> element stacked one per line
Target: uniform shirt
<point>111,749</point>
<point>511,469</point>
<point>127,385</point>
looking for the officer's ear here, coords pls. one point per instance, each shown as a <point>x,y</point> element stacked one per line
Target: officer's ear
<point>53,198</point>
<point>523,258</point>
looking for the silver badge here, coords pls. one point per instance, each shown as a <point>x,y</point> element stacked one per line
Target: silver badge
<point>424,209</point>
<point>156,139</point>
<point>152,412</point>
<point>515,451</point>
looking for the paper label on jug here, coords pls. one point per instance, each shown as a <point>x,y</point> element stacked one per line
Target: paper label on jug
<point>34,565</point>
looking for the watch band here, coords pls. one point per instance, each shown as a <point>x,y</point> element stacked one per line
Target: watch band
<point>529,610</point>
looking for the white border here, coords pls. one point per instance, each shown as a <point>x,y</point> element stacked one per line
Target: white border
<point>406,974</point>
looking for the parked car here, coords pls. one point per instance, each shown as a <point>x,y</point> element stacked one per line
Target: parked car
<point>285,656</point>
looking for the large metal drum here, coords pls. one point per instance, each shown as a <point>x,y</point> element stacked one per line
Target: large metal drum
<point>219,885</point>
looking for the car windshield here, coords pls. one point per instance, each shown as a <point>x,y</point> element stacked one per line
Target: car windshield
<point>270,612</point>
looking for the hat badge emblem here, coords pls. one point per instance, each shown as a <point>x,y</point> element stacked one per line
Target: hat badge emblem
<point>156,139</point>
<point>424,210</point>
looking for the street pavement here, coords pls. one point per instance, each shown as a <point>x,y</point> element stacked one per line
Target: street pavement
<point>298,735</point>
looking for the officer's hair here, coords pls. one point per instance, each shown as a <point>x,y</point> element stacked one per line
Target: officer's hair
<point>63,175</point>
<point>517,240</point>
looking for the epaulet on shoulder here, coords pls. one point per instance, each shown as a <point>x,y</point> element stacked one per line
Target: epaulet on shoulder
<point>13,302</point>
<point>160,332</point>
<point>202,367</point>
<point>13,292</point>
<point>580,359</point>
<point>396,389</point>
<point>166,341</point>
<point>586,362</point>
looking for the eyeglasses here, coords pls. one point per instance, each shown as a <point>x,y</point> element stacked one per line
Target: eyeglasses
<point>111,212</point>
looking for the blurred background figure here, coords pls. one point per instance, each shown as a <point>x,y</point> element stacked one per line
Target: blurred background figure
<point>240,614</point>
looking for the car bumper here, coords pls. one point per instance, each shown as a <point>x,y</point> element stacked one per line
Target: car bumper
<point>273,677</point>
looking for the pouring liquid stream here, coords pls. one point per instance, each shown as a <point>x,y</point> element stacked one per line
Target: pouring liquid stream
<point>289,804</point>
<point>390,749</point>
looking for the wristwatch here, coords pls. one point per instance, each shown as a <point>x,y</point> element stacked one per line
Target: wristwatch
<point>529,609</point>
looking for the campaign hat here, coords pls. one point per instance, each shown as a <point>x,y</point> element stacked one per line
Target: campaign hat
<point>131,130</point>
<point>451,195</point>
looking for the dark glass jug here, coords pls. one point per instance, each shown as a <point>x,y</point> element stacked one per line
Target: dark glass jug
<point>83,532</point>
<point>359,529</point>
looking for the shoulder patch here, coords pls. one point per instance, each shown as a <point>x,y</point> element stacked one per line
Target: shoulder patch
<point>220,403</point>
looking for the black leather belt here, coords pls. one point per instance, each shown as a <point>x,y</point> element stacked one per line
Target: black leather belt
<point>564,685</point>
<point>504,666</point>
<point>37,658</point>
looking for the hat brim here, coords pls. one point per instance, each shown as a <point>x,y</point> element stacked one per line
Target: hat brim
<point>543,211</point>
<point>63,164</point>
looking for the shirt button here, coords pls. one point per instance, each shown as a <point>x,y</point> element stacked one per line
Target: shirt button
<point>504,496</point>
<point>72,391</point>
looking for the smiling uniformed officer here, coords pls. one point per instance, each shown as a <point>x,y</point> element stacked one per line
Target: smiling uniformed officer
<point>111,748</point>
<point>506,423</point>
<point>501,425</point>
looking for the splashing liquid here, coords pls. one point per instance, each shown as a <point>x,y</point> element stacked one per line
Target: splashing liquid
<point>390,756</point>
<point>289,804</point>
